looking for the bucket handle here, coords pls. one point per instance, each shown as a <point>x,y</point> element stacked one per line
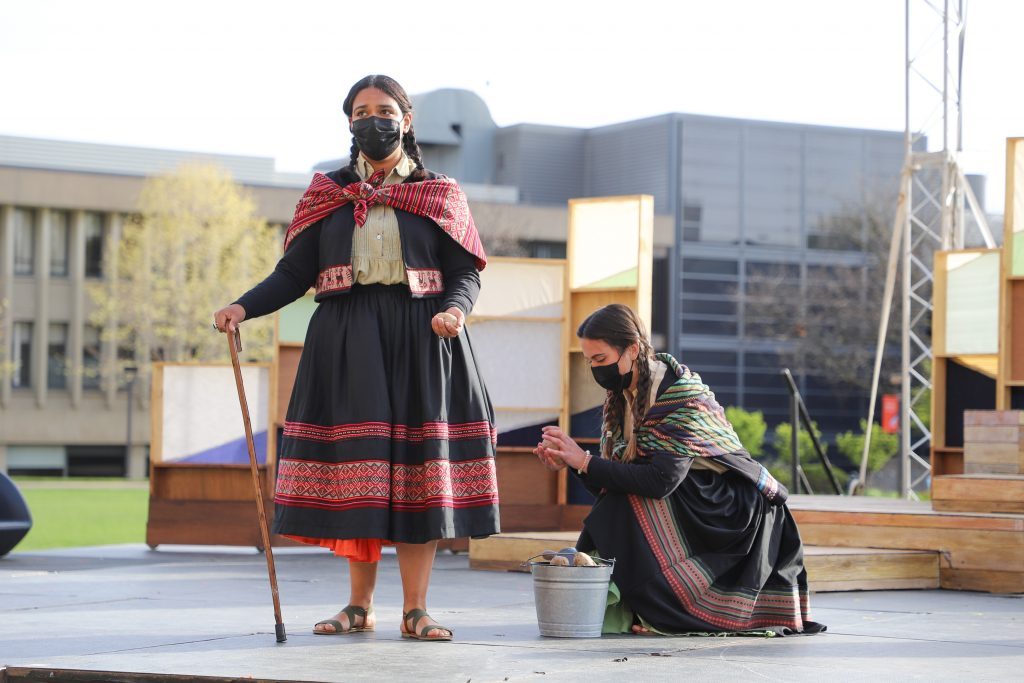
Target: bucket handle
<point>610,562</point>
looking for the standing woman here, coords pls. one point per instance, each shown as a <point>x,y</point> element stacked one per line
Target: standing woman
<point>700,531</point>
<point>389,436</point>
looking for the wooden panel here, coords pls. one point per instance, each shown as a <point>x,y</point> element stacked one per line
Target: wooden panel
<point>520,517</point>
<point>947,460</point>
<point>572,516</point>
<point>985,580</point>
<point>994,418</point>
<point>1010,436</point>
<point>979,493</point>
<point>522,480</point>
<point>1013,211</point>
<point>940,269</point>
<point>967,548</point>
<point>993,458</point>
<point>213,482</point>
<point>287,366</point>
<point>204,522</point>
<point>585,303</point>
<point>828,569</point>
<point>1016,325</point>
<point>507,551</point>
<point>845,569</point>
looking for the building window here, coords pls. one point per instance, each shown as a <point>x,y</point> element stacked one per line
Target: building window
<point>60,222</point>
<point>24,242</point>
<point>57,356</point>
<point>94,239</point>
<point>21,355</point>
<point>91,349</point>
<point>97,461</point>
<point>691,222</point>
<point>546,249</point>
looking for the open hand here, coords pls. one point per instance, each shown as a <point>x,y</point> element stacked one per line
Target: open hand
<point>448,324</point>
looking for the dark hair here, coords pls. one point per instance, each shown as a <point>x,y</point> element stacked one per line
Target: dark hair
<point>389,86</point>
<point>619,326</point>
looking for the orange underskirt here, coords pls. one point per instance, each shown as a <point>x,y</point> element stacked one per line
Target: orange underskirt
<point>355,549</point>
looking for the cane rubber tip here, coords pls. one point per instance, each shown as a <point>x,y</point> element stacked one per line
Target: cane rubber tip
<point>281,635</point>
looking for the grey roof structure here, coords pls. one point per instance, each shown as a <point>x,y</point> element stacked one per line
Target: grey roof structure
<point>89,157</point>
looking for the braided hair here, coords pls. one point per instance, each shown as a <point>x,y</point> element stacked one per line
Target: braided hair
<point>390,87</point>
<point>619,326</point>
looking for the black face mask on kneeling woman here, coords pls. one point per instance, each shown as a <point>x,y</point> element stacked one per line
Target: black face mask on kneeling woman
<point>377,138</point>
<point>608,376</point>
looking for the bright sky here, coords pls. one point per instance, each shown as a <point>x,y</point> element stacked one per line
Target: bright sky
<point>268,78</point>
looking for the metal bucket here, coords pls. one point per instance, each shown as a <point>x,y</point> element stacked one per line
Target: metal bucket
<point>570,601</point>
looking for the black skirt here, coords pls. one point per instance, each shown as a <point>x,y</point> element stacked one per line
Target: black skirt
<point>390,433</point>
<point>712,556</point>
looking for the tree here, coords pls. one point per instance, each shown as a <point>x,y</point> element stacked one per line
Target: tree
<point>883,446</point>
<point>814,470</point>
<point>195,244</point>
<point>750,428</point>
<point>7,366</point>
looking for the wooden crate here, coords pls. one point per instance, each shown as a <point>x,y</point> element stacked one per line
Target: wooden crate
<point>828,569</point>
<point>994,442</point>
<point>979,493</point>
<point>978,551</point>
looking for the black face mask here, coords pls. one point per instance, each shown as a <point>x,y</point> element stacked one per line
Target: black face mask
<point>377,138</point>
<point>608,376</point>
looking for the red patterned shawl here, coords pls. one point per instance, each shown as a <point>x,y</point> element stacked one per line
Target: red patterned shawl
<point>441,200</point>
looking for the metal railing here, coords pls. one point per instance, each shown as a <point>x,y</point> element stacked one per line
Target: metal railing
<point>797,414</point>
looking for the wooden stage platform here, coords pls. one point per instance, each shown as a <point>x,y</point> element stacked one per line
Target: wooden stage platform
<point>856,543</point>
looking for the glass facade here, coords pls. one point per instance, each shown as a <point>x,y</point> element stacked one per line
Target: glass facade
<point>770,217</point>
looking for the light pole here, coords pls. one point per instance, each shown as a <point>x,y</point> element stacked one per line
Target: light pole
<point>130,372</point>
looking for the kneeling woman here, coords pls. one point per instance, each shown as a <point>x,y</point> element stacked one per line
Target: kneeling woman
<point>702,535</point>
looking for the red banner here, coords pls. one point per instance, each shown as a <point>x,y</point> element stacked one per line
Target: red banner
<point>890,413</point>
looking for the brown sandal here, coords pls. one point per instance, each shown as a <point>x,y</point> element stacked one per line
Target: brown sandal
<point>417,614</point>
<point>350,611</point>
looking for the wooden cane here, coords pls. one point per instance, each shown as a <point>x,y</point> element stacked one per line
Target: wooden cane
<point>235,346</point>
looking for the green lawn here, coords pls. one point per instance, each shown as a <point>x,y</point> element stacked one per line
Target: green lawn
<point>66,516</point>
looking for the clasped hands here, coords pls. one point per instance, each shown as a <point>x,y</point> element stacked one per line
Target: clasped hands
<point>557,450</point>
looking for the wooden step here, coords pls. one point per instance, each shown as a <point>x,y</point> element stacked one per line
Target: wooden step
<point>979,493</point>
<point>978,551</point>
<point>828,569</point>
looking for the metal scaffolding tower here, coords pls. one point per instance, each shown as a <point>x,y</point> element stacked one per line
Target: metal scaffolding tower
<point>930,215</point>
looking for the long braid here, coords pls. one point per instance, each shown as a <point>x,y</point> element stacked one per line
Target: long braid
<point>643,385</point>
<point>614,411</point>
<point>412,150</point>
<point>353,155</point>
